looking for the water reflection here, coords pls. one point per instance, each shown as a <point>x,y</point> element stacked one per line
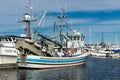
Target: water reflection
<point>71,73</point>
<point>8,74</point>
<point>95,69</point>
<point>103,69</point>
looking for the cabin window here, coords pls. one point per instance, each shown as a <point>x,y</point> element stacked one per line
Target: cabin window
<point>70,37</point>
<point>3,39</point>
<point>9,39</point>
<point>74,37</point>
<point>82,37</point>
<point>78,37</point>
<point>6,39</point>
<point>13,39</point>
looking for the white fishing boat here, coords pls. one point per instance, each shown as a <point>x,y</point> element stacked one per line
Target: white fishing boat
<point>44,62</point>
<point>8,52</point>
<point>49,53</point>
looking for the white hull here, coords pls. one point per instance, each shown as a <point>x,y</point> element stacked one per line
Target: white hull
<point>8,59</point>
<point>8,55</point>
<point>51,62</point>
<point>40,66</point>
<point>98,54</point>
<point>8,52</point>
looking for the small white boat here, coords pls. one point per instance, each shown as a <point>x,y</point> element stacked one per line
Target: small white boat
<point>98,54</point>
<point>116,53</point>
<point>106,53</point>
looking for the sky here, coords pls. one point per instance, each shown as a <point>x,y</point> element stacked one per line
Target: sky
<point>90,17</point>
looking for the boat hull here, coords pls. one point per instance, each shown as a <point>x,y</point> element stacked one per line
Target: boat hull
<point>51,62</point>
<point>8,54</point>
<point>5,59</point>
<point>44,66</point>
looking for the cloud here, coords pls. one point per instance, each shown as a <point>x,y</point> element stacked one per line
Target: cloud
<point>100,15</point>
<point>74,5</point>
<point>91,14</point>
<point>93,5</point>
<point>99,21</point>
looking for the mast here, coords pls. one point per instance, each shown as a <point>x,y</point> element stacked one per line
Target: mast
<point>102,44</point>
<point>61,17</point>
<point>28,18</point>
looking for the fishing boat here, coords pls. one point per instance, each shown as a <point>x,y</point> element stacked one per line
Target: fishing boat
<point>43,52</point>
<point>43,62</point>
<point>8,52</point>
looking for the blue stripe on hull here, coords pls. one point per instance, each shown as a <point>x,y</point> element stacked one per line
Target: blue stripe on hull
<point>47,61</point>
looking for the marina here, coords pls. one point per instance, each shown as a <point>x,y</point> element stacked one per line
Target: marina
<point>60,42</point>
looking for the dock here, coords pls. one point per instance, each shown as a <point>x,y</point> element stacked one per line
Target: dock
<point>9,66</point>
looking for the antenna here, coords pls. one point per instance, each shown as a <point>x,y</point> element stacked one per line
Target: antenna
<point>65,8</point>
<point>16,12</point>
<point>37,7</point>
<point>29,7</point>
<point>90,36</point>
<point>57,7</point>
<point>29,4</point>
<point>71,26</point>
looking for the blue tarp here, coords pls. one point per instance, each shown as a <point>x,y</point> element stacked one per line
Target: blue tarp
<point>116,51</point>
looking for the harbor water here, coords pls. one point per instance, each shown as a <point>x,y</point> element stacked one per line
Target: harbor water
<point>95,69</point>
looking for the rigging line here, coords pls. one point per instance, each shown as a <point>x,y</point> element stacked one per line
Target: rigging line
<point>82,26</point>
<point>65,6</point>
<point>16,12</point>
<point>90,35</point>
<point>21,6</point>
<point>37,6</point>
<point>57,7</point>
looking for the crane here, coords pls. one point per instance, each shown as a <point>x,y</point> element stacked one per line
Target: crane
<point>39,23</point>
